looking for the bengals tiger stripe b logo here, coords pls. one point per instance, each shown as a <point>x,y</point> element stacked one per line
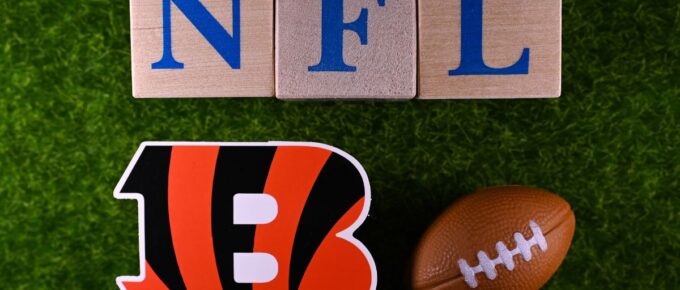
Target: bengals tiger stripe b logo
<point>257,216</point>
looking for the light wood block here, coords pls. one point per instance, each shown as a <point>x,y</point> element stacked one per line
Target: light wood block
<point>206,72</point>
<point>385,67</point>
<point>510,30</point>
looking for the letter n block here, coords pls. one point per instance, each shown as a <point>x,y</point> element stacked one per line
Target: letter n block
<point>202,48</point>
<point>489,48</point>
<point>346,49</point>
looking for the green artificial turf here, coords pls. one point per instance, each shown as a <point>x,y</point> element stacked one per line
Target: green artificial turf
<point>610,146</point>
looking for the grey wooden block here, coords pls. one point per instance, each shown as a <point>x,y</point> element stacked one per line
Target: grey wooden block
<point>369,49</point>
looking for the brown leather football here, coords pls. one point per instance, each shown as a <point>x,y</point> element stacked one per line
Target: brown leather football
<point>508,237</point>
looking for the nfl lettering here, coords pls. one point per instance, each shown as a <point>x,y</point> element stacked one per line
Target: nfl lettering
<point>229,45</point>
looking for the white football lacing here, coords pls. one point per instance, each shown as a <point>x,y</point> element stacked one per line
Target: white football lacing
<point>488,266</point>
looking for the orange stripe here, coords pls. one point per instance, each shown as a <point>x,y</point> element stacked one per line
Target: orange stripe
<point>190,186</point>
<point>291,177</point>
<point>338,264</point>
<point>151,281</point>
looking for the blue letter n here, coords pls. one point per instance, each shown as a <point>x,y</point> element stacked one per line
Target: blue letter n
<point>228,46</point>
<point>471,53</point>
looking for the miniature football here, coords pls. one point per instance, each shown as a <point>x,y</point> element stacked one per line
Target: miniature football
<point>509,237</point>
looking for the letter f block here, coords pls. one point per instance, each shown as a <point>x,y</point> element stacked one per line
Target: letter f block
<point>345,49</point>
<point>194,48</point>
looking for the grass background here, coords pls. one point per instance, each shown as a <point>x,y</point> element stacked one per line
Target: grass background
<point>610,146</point>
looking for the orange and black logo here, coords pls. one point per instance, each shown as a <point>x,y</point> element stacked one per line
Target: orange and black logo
<point>258,216</point>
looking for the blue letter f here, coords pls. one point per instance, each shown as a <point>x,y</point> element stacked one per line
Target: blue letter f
<point>332,28</point>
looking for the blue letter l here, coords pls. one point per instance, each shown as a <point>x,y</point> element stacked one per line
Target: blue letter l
<point>471,52</point>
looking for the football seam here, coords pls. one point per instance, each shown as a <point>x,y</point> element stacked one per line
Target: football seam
<point>564,217</point>
<point>504,256</point>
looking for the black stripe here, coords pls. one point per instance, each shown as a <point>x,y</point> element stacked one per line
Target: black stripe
<point>149,177</point>
<point>238,170</point>
<point>338,187</point>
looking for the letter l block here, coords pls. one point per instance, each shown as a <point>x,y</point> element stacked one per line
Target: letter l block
<point>482,49</point>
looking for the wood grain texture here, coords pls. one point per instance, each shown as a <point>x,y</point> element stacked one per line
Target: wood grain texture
<point>386,66</point>
<point>205,73</point>
<point>509,26</point>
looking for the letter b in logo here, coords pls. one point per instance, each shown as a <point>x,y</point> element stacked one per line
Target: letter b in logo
<point>248,216</point>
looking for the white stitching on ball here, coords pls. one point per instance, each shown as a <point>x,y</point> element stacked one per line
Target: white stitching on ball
<point>488,266</point>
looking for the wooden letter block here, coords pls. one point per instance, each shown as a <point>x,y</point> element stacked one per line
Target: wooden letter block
<point>346,49</point>
<point>489,48</point>
<point>206,48</point>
